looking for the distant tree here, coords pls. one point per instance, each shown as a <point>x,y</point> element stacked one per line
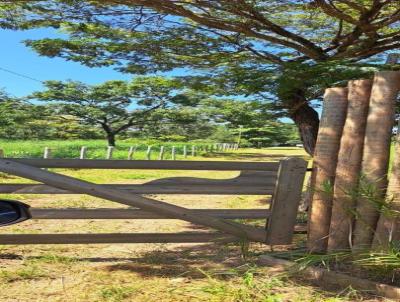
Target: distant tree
<point>186,122</point>
<point>287,51</point>
<point>271,134</point>
<point>15,116</point>
<point>115,106</point>
<point>223,135</point>
<point>54,126</point>
<point>237,113</point>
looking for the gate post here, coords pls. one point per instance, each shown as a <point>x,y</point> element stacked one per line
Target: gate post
<point>285,201</point>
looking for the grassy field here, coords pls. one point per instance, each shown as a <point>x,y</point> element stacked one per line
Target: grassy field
<point>147,272</point>
<point>96,149</point>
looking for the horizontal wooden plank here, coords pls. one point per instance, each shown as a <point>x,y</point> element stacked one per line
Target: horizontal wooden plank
<point>7,239</point>
<point>148,164</point>
<point>140,214</point>
<point>206,189</point>
<point>115,238</point>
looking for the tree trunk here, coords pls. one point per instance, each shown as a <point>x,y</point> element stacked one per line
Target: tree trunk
<point>324,167</point>
<point>111,139</point>
<point>375,163</point>
<point>349,165</point>
<point>110,134</point>
<point>307,121</point>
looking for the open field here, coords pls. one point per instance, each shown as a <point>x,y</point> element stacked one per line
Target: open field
<point>146,272</point>
<point>96,149</point>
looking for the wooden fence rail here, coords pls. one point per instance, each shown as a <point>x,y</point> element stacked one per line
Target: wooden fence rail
<point>140,214</point>
<point>148,165</point>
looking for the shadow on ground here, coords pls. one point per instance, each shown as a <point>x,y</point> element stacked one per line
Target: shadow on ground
<point>191,261</point>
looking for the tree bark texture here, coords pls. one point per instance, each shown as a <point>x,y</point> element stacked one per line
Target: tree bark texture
<point>375,161</point>
<point>325,159</point>
<point>307,121</point>
<point>349,165</point>
<point>111,139</point>
<point>388,228</point>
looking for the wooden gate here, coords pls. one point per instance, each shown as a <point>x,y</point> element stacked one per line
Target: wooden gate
<point>283,180</point>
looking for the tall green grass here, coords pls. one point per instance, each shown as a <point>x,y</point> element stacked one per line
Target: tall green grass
<point>96,149</point>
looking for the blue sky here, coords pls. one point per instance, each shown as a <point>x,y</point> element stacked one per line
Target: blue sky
<point>15,56</point>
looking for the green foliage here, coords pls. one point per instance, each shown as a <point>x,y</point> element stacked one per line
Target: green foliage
<point>272,134</point>
<point>109,105</point>
<point>190,123</point>
<point>96,149</point>
<point>284,53</point>
<point>237,113</point>
<point>388,259</point>
<point>285,48</point>
<point>223,135</point>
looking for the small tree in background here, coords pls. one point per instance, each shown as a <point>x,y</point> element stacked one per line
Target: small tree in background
<point>114,106</point>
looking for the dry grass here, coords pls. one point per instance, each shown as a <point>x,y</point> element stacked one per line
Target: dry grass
<point>143,272</point>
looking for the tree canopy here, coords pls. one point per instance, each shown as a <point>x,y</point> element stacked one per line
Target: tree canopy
<point>286,51</point>
<point>114,105</point>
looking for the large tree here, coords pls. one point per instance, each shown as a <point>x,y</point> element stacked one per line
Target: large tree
<point>115,106</point>
<point>285,50</point>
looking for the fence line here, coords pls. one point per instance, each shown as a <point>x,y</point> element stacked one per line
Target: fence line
<point>181,151</point>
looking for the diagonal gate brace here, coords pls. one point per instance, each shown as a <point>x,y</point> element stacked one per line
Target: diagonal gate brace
<point>162,208</point>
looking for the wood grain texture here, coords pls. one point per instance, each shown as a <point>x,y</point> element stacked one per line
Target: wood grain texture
<point>285,201</point>
<point>247,183</point>
<point>140,214</point>
<point>148,165</point>
<point>206,189</point>
<point>114,238</point>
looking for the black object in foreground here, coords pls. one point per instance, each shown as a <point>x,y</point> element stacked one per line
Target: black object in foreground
<point>12,211</point>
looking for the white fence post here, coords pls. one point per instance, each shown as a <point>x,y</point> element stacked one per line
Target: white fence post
<point>185,151</point>
<point>161,155</point>
<point>173,153</point>
<point>193,150</point>
<point>82,154</point>
<point>110,151</point>
<point>148,153</point>
<point>131,151</point>
<point>47,153</point>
